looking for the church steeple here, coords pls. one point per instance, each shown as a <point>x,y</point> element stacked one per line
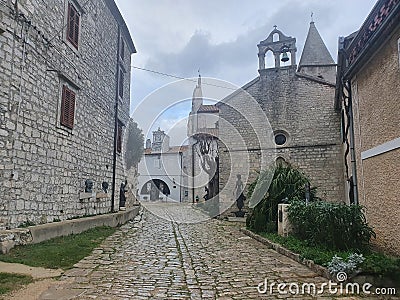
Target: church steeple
<point>315,59</point>
<point>197,99</point>
<point>315,52</point>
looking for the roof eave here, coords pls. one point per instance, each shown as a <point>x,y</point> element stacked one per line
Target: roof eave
<point>391,23</point>
<point>112,6</point>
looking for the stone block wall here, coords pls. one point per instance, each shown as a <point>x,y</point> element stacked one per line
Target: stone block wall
<point>43,164</point>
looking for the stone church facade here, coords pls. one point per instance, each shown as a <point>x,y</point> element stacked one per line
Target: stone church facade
<point>299,104</point>
<point>64,103</point>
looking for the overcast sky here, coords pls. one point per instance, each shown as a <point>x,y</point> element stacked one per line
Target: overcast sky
<point>220,37</point>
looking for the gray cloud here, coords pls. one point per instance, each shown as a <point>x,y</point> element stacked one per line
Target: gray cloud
<point>236,60</point>
<point>221,37</point>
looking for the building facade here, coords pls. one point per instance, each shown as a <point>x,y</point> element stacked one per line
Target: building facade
<point>298,102</point>
<point>64,102</point>
<point>368,94</point>
<point>162,171</point>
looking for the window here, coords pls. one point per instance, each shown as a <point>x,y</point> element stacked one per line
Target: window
<point>67,107</point>
<point>122,49</point>
<point>73,25</point>
<point>121,83</point>
<point>280,139</point>
<point>119,137</point>
<point>280,161</point>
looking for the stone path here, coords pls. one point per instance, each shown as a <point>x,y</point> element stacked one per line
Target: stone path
<point>157,258</point>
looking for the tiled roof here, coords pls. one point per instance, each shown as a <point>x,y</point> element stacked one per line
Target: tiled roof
<point>208,109</point>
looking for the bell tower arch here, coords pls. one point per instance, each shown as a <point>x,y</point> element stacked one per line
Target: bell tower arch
<point>280,45</point>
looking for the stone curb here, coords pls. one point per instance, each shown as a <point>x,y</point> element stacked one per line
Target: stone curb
<point>39,233</point>
<point>320,270</point>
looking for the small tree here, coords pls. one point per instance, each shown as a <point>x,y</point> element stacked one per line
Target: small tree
<point>287,183</point>
<point>134,145</point>
<point>207,150</point>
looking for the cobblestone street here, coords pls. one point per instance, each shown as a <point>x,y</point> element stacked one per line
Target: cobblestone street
<point>156,258</point>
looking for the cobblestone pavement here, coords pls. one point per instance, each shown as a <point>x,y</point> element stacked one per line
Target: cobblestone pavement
<point>157,258</point>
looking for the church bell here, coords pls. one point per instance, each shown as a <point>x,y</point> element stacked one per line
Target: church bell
<point>285,57</point>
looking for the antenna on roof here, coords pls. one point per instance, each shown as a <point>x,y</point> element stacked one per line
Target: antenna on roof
<point>312,17</point>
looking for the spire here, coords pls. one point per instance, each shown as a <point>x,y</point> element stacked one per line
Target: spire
<point>315,52</point>
<point>197,93</point>
<point>199,80</point>
<point>197,99</point>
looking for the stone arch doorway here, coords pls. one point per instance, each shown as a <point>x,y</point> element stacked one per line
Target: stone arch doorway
<point>155,189</point>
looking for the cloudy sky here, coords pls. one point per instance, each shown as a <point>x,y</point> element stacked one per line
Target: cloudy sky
<point>220,38</point>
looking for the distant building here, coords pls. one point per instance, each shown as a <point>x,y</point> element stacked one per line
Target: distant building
<point>163,171</point>
<point>64,103</point>
<point>202,131</point>
<point>298,102</point>
<point>368,97</point>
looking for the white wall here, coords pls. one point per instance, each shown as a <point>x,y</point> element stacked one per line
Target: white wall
<point>165,167</point>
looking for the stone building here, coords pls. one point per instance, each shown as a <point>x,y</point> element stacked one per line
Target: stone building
<point>162,170</point>
<point>64,102</point>
<point>368,93</point>
<point>202,134</point>
<point>298,102</point>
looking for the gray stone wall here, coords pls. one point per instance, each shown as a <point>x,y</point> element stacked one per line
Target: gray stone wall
<point>302,108</point>
<point>43,164</point>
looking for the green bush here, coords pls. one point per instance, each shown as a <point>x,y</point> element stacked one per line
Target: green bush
<point>287,182</point>
<point>378,263</point>
<point>319,254</point>
<point>334,225</point>
<point>375,264</point>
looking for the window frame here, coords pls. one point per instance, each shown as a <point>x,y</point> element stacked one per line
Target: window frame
<point>75,39</point>
<point>284,133</point>
<point>278,140</point>
<point>67,107</point>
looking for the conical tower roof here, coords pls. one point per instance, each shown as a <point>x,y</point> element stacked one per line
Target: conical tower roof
<point>197,92</point>
<point>315,52</point>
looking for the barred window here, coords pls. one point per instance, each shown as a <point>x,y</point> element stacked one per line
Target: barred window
<point>67,107</point>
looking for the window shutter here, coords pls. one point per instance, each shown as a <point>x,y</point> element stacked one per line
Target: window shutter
<point>67,108</point>
<point>73,25</point>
